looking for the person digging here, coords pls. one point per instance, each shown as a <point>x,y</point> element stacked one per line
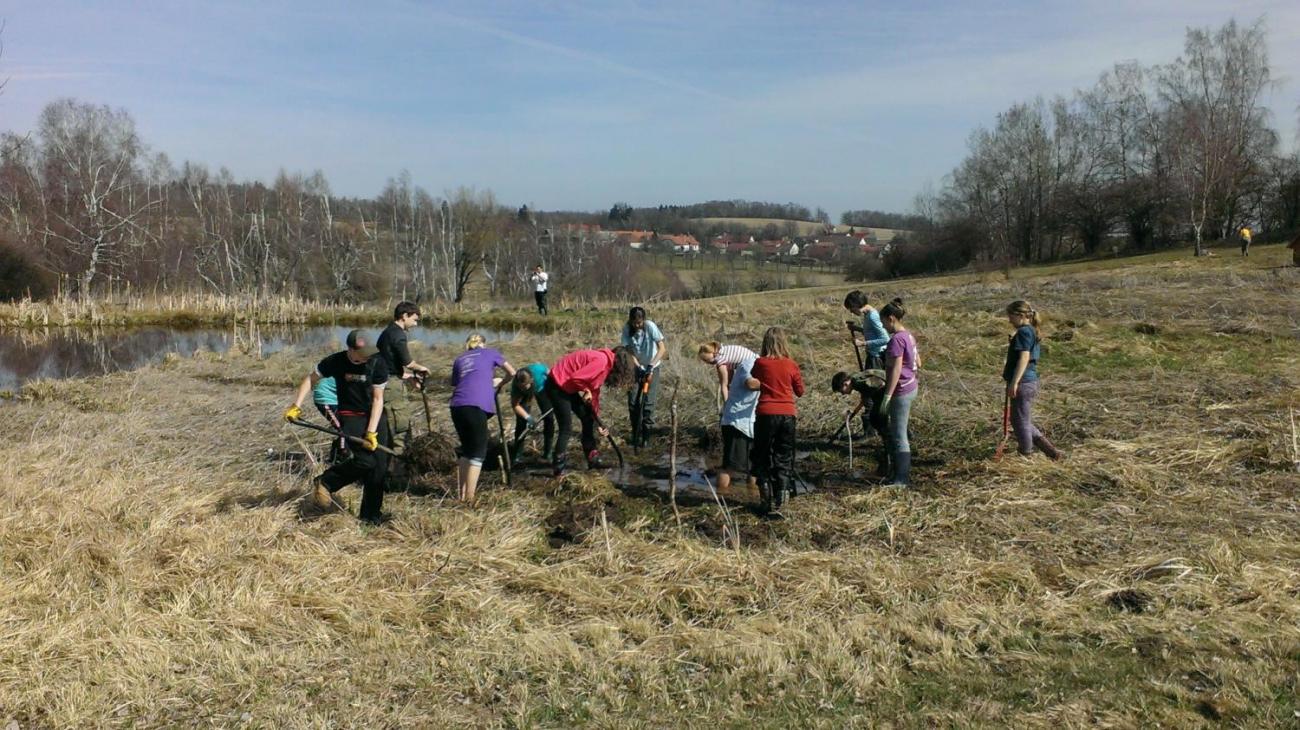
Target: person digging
<point>870,387</point>
<point>360,378</point>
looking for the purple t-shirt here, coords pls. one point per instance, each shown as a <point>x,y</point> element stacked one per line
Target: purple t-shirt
<point>471,375</point>
<point>902,344</point>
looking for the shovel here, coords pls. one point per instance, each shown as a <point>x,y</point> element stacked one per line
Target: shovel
<point>610,436</point>
<point>520,438</point>
<point>1006,429</point>
<point>853,337</point>
<point>848,419</point>
<point>353,439</point>
<point>501,433</point>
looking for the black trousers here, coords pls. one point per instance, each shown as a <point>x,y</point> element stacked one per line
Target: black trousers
<point>773,453</point>
<point>472,429</point>
<point>360,465</point>
<point>566,406</point>
<point>544,404</point>
<point>540,298</point>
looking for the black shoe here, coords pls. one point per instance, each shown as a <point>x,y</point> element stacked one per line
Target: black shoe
<point>382,518</point>
<point>558,467</point>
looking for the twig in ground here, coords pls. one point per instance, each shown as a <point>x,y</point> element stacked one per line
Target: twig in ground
<point>672,455</point>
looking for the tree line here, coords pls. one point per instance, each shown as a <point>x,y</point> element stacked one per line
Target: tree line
<point>1149,157</point>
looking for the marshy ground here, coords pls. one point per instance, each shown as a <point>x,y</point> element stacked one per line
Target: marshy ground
<point>159,569</point>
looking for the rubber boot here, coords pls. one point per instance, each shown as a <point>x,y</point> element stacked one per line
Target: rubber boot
<point>1048,448</point>
<point>558,465</point>
<point>902,469</point>
<point>594,462</point>
<point>884,465</point>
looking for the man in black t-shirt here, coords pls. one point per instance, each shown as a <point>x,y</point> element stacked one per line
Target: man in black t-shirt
<point>393,349</point>
<point>360,377</point>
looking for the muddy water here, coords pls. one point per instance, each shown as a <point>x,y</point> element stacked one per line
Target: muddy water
<point>72,352</point>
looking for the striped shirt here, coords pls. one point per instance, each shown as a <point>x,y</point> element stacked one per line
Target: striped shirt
<point>733,355</point>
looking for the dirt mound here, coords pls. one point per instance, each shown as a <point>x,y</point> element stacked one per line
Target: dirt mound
<point>570,523</point>
<point>431,453</point>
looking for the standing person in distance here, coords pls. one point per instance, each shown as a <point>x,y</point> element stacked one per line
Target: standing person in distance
<point>574,386</point>
<point>642,337</point>
<point>393,347</point>
<point>360,377</point>
<point>530,385</point>
<point>901,363</point>
<point>1245,234</point>
<point>541,282</point>
<point>1020,373</point>
<point>778,379</point>
<point>473,401</point>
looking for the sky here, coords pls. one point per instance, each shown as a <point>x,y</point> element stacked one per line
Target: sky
<point>577,104</point>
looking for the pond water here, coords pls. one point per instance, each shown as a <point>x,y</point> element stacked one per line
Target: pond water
<point>27,355</point>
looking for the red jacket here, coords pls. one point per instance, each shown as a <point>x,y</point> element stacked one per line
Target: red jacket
<point>583,370</point>
<point>781,382</point>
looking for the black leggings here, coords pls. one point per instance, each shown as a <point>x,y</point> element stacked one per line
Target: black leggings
<point>471,427</point>
<point>368,467</point>
<point>566,405</point>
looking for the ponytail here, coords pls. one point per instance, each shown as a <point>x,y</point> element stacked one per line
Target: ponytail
<point>475,341</point>
<point>894,309</point>
<point>1022,308</point>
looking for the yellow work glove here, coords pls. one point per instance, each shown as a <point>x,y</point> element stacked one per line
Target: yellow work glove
<point>372,441</point>
<point>292,413</point>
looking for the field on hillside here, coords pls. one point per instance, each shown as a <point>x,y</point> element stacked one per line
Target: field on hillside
<point>159,568</point>
<point>802,228</point>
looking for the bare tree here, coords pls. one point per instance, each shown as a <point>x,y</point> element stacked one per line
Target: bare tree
<point>90,155</point>
<point>1215,119</point>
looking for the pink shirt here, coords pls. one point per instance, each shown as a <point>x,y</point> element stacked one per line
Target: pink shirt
<point>583,370</point>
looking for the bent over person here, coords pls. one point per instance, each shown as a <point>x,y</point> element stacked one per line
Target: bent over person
<point>360,377</point>
<point>394,349</point>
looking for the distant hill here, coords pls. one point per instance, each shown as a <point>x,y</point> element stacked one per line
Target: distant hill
<point>802,228</point>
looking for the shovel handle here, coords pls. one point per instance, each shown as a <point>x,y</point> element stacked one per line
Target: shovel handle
<point>353,439</point>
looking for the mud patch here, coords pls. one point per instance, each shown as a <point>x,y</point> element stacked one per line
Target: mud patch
<point>571,523</point>
<point>431,453</point>
<point>1130,600</point>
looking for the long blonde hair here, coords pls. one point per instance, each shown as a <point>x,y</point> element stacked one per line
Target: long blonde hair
<point>475,341</point>
<point>1021,308</point>
<point>775,343</point>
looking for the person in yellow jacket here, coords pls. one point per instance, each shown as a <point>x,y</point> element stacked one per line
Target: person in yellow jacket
<point>1245,235</point>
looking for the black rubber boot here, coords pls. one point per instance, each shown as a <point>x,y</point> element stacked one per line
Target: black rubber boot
<point>558,465</point>
<point>902,469</point>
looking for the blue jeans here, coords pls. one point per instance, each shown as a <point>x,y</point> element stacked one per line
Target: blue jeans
<point>900,410</point>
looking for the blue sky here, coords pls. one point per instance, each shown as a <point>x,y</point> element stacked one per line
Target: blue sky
<point>578,104</point>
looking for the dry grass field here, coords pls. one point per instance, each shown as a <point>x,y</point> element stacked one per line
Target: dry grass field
<point>159,570</point>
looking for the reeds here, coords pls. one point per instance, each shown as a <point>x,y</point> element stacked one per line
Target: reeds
<point>158,571</point>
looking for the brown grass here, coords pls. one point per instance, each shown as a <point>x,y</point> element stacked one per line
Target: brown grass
<point>158,570</point>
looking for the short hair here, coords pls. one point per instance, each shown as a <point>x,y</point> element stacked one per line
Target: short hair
<point>855,300</point>
<point>405,308</point>
<point>837,381</point>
